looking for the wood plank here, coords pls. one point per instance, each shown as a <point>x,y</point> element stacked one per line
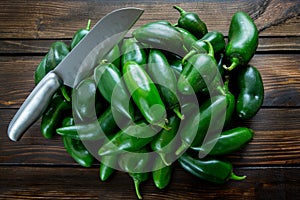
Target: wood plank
<point>37,46</point>
<point>276,142</point>
<point>53,19</point>
<point>280,74</point>
<point>79,183</point>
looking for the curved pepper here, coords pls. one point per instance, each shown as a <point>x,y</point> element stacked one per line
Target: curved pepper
<point>163,76</point>
<point>242,40</point>
<point>227,142</point>
<point>191,22</point>
<point>197,72</point>
<point>250,92</point>
<point>78,151</point>
<point>106,167</point>
<point>53,115</point>
<point>133,51</point>
<point>145,94</point>
<point>209,169</point>
<point>215,38</point>
<point>80,34</point>
<point>160,36</point>
<point>110,84</point>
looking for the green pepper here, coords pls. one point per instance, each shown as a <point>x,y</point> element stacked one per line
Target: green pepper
<point>175,63</point>
<point>188,38</point>
<point>131,138</point>
<point>96,130</point>
<point>114,57</point>
<point>242,40</point>
<point>162,175</point>
<point>78,151</point>
<point>106,166</point>
<point>133,51</point>
<point>227,142</point>
<point>110,84</point>
<point>165,142</point>
<point>80,34</point>
<point>144,93</point>
<point>250,91</point>
<point>213,115</point>
<point>53,115</point>
<point>161,73</point>
<point>197,73</point>
<point>215,38</point>
<point>160,36</point>
<point>209,169</point>
<point>58,51</point>
<point>84,96</point>
<point>191,22</point>
<point>40,71</point>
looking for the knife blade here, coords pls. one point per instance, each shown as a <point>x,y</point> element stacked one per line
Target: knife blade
<point>77,65</point>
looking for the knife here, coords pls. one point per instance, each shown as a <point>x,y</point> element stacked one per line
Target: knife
<point>77,65</point>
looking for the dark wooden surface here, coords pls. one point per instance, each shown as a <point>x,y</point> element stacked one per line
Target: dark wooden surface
<point>37,168</point>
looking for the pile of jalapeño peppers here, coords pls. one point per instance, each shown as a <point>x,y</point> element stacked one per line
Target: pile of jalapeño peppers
<point>186,58</point>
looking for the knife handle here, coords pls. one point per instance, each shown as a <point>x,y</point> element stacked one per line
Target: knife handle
<point>33,107</point>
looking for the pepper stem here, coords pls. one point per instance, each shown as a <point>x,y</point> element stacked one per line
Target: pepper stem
<point>88,26</point>
<point>183,147</point>
<point>234,64</point>
<point>178,113</point>
<point>180,10</point>
<point>188,55</point>
<point>137,189</point>
<point>210,48</point>
<point>163,158</point>
<point>236,177</point>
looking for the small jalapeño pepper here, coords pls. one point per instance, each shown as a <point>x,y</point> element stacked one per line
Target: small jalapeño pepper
<point>191,22</point>
<point>80,34</point>
<point>242,40</point>
<point>133,51</point>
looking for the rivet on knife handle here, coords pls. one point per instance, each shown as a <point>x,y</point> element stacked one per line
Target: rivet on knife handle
<point>34,106</point>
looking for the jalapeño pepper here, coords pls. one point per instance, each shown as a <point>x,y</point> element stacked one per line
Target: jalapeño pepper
<point>133,51</point>
<point>191,22</point>
<point>145,94</point>
<point>197,72</point>
<point>188,38</point>
<point>242,40</point>
<point>209,169</point>
<point>132,138</point>
<point>227,142</point>
<point>53,115</point>
<point>110,84</point>
<point>40,71</point>
<point>162,175</point>
<point>106,167</point>
<point>164,142</point>
<point>56,54</point>
<point>215,38</point>
<point>78,151</point>
<point>160,36</point>
<point>80,34</point>
<point>96,130</point>
<point>114,56</point>
<point>161,73</point>
<point>250,92</point>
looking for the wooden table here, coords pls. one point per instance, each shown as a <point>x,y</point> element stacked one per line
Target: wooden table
<point>37,168</point>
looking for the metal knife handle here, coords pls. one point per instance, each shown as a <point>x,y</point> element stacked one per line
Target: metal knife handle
<point>33,106</point>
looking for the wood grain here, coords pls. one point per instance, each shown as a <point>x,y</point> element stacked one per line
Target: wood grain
<point>276,142</point>
<point>60,19</point>
<point>80,183</point>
